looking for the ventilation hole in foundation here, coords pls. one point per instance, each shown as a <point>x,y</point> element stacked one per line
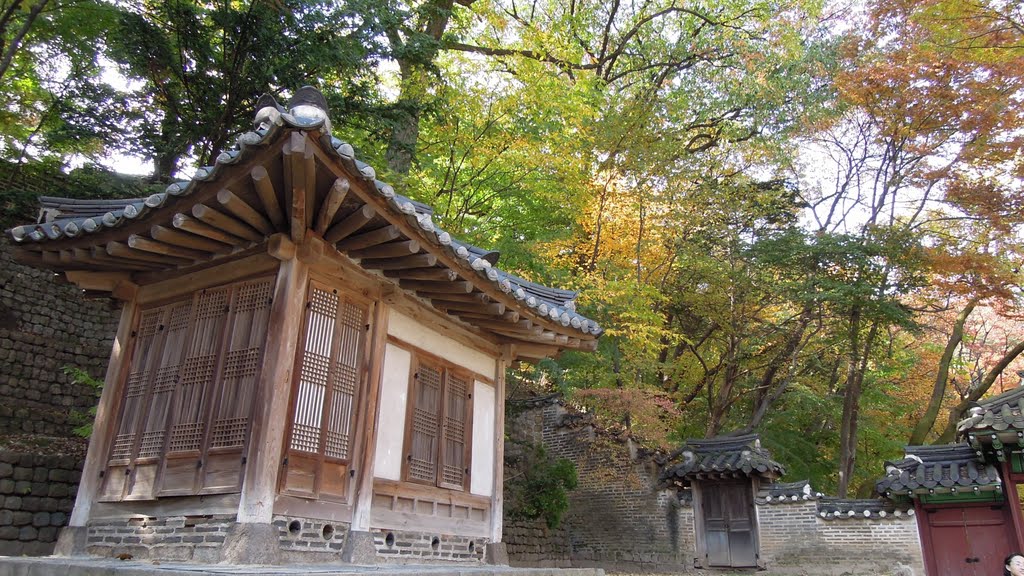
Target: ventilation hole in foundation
<point>328,532</point>
<point>472,546</point>
<point>294,527</point>
<point>390,539</point>
<point>435,543</point>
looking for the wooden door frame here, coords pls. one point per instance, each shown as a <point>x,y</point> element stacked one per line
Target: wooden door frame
<point>924,529</point>
<point>700,559</point>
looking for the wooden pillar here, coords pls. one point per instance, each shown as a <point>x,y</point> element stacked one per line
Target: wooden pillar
<point>106,417</point>
<point>259,486</point>
<point>497,495</point>
<point>1013,500</point>
<point>364,474</point>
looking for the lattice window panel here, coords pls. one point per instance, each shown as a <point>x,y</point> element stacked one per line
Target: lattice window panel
<point>240,373</point>
<point>165,380</point>
<point>241,369</point>
<point>314,372</point>
<point>454,467</point>
<point>339,420</point>
<point>206,330</point>
<point>186,437</point>
<point>137,384</point>
<point>425,425</point>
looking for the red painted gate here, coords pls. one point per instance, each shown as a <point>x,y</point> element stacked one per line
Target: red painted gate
<point>968,540</point>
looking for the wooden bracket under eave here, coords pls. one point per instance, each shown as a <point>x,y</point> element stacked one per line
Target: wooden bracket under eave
<point>120,285</point>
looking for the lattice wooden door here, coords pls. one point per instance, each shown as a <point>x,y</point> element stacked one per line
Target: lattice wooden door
<point>329,376</point>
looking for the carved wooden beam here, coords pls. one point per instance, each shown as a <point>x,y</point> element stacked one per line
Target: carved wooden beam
<point>350,224</point>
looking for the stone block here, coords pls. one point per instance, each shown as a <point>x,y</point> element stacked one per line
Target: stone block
<point>28,533</point>
<point>21,518</point>
<point>11,548</point>
<point>6,470</point>
<point>40,519</point>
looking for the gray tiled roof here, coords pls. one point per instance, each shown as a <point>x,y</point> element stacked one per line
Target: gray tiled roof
<point>1001,415</point>
<point>67,221</point>
<point>842,508</point>
<point>938,469</point>
<point>722,456</point>
<point>782,492</point>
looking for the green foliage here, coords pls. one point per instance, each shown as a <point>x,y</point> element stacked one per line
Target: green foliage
<point>540,487</point>
<point>19,205</point>
<point>82,378</point>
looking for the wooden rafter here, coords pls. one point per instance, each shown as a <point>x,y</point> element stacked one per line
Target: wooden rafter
<point>335,197</point>
<point>388,250</point>
<point>268,197</point>
<point>438,274</point>
<point>186,240</point>
<point>414,261</point>
<point>149,245</point>
<point>243,211</point>
<point>371,238</point>
<point>222,221</point>
<point>191,225</point>
<point>350,224</point>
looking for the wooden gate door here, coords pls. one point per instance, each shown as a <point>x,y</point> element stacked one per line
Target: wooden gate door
<point>729,527</point>
<point>969,540</point>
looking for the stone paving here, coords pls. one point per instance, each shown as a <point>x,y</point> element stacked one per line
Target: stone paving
<point>60,566</point>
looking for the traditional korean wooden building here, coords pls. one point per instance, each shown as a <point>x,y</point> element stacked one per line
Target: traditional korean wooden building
<point>304,360</point>
<point>723,475</point>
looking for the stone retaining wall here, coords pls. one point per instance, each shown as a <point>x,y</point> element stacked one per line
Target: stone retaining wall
<point>620,520</point>
<point>36,497</point>
<point>45,326</point>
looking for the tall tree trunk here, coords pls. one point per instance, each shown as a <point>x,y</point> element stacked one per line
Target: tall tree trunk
<point>415,78</point>
<point>855,369</point>
<point>931,413</point>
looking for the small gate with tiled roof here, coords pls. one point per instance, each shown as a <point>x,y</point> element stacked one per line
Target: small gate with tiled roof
<point>724,474</point>
<point>968,495</point>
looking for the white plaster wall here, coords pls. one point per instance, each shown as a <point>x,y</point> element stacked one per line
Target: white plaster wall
<point>421,336</point>
<point>394,390</point>
<point>481,480</point>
